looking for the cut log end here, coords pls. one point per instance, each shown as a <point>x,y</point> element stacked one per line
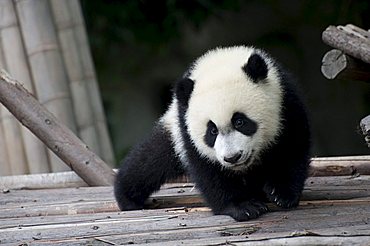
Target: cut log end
<point>333,63</point>
<point>365,127</point>
<point>337,65</point>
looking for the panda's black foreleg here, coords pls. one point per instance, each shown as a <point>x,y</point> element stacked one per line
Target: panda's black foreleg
<point>285,188</point>
<point>227,193</point>
<point>145,169</point>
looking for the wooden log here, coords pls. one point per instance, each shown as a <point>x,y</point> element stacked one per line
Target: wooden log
<point>174,195</point>
<point>350,40</point>
<point>36,158</point>
<point>336,64</point>
<point>56,136</point>
<point>365,127</point>
<point>338,166</point>
<point>46,64</point>
<point>42,181</point>
<point>320,166</point>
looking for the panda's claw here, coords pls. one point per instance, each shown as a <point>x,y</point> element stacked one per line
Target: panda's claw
<point>272,191</point>
<point>246,210</point>
<point>282,197</point>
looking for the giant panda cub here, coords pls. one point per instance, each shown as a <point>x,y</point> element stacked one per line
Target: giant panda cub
<point>237,127</point>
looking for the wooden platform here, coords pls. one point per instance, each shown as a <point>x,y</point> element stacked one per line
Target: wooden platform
<point>334,210</point>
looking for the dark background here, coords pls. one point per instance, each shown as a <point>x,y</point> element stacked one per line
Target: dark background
<point>141,47</point>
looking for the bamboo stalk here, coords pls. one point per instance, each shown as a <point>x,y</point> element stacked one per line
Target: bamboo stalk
<point>55,135</point>
<point>46,64</point>
<point>4,160</point>
<point>92,84</point>
<point>16,64</point>
<point>77,81</point>
<point>12,133</point>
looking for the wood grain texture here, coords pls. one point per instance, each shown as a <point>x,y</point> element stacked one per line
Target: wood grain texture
<point>89,215</point>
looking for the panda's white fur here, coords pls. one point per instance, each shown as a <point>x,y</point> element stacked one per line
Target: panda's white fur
<point>221,89</point>
<point>170,122</point>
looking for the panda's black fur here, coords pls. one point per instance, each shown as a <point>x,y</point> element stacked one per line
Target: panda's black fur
<point>278,175</point>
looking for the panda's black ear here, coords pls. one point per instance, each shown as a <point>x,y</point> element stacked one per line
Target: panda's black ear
<point>183,89</point>
<point>256,68</point>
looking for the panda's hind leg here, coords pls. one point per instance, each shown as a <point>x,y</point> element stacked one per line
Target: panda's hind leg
<point>147,166</point>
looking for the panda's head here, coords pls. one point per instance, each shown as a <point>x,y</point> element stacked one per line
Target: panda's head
<point>233,99</point>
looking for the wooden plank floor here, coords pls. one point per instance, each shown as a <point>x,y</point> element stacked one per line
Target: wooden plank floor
<point>333,211</point>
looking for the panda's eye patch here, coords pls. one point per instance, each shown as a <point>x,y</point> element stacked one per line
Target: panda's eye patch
<point>244,124</point>
<point>211,134</point>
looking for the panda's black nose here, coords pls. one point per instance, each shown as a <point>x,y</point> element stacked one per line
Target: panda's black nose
<point>233,159</point>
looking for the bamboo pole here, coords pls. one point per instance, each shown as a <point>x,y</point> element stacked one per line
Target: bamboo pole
<point>4,160</point>
<point>77,81</point>
<point>92,85</point>
<point>46,64</point>
<point>55,135</point>
<point>16,64</point>
<point>12,133</point>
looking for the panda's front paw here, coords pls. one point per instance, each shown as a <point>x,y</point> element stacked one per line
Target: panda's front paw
<point>246,210</point>
<point>126,204</point>
<point>283,197</point>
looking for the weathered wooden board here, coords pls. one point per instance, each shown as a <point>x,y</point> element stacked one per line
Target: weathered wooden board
<point>125,228</point>
<point>334,210</point>
<point>320,166</point>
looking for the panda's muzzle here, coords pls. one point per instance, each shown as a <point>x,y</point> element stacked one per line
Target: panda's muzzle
<point>233,159</point>
<point>240,162</point>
